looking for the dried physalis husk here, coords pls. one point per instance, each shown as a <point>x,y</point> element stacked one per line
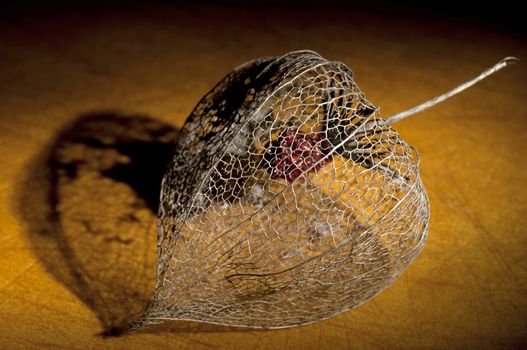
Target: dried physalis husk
<point>288,199</point>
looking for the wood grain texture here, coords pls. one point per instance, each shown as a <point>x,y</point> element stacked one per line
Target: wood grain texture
<point>67,275</point>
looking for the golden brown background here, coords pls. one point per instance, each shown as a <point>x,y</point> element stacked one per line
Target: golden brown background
<point>77,253</point>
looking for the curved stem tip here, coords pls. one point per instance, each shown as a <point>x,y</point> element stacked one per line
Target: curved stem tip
<point>438,99</point>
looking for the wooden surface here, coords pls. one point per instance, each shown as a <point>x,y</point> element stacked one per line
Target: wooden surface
<point>68,276</point>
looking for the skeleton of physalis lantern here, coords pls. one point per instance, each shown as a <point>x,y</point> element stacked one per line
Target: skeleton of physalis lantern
<point>289,199</point>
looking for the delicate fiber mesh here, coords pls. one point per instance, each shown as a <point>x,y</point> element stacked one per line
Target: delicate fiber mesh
<point>288,200</point>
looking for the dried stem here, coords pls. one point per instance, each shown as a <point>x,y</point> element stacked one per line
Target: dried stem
<point>438,99</point>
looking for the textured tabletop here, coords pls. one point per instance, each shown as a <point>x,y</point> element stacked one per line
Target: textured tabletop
<point>78,247</point>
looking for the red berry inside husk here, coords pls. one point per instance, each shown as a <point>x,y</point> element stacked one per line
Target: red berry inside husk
<point>293,153</point>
